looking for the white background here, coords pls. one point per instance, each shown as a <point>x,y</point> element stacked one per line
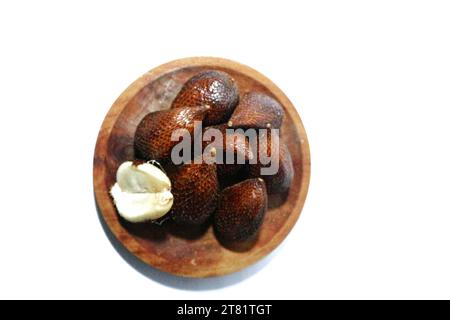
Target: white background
<point>370,79</point>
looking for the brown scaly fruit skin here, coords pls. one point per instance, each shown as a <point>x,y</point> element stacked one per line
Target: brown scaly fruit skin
<point>195,190</point>
<point>152,139</point>
<point>280,181</point>
<point>236,142</point>
<point>214,88</point>
<point>241,210</point>
<point>257,110</point>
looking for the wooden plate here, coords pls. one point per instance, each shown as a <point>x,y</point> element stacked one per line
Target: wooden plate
<point>193,252</point>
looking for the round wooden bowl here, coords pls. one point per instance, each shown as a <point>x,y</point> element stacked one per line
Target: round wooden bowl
<point>193,252</point>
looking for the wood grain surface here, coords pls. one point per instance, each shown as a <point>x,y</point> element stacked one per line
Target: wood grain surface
<point>194,252</point>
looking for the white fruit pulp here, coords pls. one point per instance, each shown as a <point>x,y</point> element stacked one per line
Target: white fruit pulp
<point>141,192</point>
